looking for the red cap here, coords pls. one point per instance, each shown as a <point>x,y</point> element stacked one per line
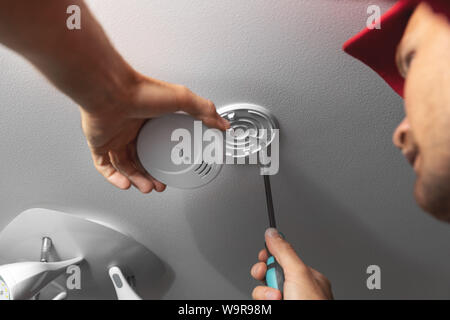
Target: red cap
<point>377,47</point>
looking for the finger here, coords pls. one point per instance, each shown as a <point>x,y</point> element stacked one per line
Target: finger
<point>122,161</point>
<point>284,253</point>
<point>263,255</point>
<point>205,110</point>
<point>156,98</point>
<point>103,165</point>
<point>266,293</point>
<point>159,186</point>
<point>258,271</point>
<point>200,108</point>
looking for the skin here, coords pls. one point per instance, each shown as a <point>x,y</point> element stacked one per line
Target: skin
<point>115,100</point>
<point>423,58</point>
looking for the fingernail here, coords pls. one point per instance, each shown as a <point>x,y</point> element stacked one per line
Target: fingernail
<point>272,233</point>
<point>271,295</point>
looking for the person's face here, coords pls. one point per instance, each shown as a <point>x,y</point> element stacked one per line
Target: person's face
<point>423,57</point>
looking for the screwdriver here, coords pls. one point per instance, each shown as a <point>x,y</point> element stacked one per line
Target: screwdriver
<point>274,273</point>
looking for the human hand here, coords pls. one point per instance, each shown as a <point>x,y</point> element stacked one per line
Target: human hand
<point>114,99</point>
<point>300,281</point>
<point>111,128</point>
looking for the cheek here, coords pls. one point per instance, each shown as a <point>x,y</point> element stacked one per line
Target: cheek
<point>419,110</point>
<point>427,104</point>
<point>427,99</point>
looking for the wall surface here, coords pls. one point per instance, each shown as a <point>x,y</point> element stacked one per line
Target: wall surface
<point>343,195</point>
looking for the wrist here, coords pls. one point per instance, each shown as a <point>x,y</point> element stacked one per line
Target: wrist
<point>116,86</point>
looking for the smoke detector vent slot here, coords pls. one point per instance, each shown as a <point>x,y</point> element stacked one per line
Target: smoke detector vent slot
<point>203,169</point>
<point>209,168</point>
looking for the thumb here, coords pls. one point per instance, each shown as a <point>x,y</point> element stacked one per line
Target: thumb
<point>283,252</point>
<point>156,98</point>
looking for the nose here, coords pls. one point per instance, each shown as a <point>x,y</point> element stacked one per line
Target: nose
<point>400,134</point>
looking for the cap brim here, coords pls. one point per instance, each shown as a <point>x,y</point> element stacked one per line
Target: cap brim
<point>377,47</point>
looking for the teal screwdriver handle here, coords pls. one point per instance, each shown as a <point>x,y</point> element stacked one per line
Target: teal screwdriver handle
<point>274,273</point>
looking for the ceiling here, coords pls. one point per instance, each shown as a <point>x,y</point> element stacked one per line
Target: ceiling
<point>343,195</point>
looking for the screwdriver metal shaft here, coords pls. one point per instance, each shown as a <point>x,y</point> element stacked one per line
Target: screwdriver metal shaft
<point>269,202</point>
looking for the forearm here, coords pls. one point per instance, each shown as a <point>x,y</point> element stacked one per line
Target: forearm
<point>81,63</point>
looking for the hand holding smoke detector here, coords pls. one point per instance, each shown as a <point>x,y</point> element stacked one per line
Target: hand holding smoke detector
<point>184,153</point>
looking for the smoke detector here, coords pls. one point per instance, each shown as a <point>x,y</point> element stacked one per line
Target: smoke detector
<point>156,144</point>
<point>155,147</point>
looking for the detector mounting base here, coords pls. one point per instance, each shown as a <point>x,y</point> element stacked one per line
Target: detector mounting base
<point>252,128</point>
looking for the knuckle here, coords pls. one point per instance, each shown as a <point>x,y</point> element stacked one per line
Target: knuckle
<point>98,163</point>
<point>300,270</point>
<point>208,110</point>
<point>103,171</point>
<point>288,249</point>
<point>211,108</point>
<point>262,254</point>
<point>116,160</point>
<point>287,246</point>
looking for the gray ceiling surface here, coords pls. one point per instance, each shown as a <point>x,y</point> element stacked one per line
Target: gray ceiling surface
<point>343,195</point>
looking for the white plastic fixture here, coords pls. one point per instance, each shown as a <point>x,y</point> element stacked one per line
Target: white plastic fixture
<point>155,145</point>
<point>101,246</point>
<point>23,280</point>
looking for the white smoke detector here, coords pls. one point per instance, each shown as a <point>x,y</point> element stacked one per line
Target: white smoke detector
<point>155,146</point>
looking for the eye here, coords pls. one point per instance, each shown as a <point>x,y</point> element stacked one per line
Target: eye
<point>406,62</point>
